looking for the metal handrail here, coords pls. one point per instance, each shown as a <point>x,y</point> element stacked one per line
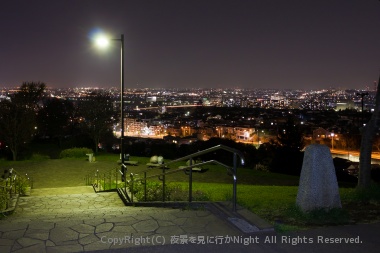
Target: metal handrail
<point>15,183</point>
<point>99,180</point>
<point>188,167</point>
<point>190,157</point>
<point>199,153</point>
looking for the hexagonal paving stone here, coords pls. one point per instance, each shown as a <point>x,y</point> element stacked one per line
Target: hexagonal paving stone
<point>14,234</point>
<point>10,226</point>
<point>88,239</point>
<point>170,230</point>
<point>146,226</point>
<point>180,221</point>
<point>125,229</point>
<point>33,248</point>
<point>105,227</point>
<point>37,234</point>
<point>41,225</point>
<point>25,242</point>
<point>83,228</point>
<point>196,222</point>
<point>94,222</point>
<point>62,234</point>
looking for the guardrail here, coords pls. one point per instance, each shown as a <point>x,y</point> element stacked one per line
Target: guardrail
<point>15,183</point>
<point>113,178</point>
<point>107,181</point>
<point>188,170</point>
<point>11,184</point>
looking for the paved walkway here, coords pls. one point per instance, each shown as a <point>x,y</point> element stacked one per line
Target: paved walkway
<point>61,220</point>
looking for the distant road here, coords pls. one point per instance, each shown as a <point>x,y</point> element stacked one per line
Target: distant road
<point>353,155</point>
<point>167,106</point>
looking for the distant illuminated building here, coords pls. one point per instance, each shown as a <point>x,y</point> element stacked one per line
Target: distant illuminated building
<point>345,104</point>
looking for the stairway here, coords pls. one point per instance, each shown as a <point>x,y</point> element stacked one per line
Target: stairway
<point>67,202</point>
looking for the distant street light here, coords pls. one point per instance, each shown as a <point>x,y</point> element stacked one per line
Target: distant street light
<point>218,130</point>
<point>258,136</point>
<point>102,42</point>
<point>332,141</point>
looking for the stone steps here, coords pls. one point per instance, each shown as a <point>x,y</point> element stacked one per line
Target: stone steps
<point>68,202</point>
<point>62,190</point>
<point>243,219</point>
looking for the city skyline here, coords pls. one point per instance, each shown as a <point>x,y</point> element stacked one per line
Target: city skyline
<point>221,44</point>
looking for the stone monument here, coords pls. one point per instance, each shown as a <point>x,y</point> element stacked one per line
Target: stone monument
<point>318,187</point>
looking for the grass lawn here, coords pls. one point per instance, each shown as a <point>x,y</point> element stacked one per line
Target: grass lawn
<point>51,173</point>
<point>272,196</point>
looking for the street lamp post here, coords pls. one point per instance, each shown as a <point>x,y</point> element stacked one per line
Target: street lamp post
<point>258,137</point>
<point>102,41</point>
<point>123,167</point>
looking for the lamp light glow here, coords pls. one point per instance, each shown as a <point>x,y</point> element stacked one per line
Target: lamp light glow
<point>102,41</point>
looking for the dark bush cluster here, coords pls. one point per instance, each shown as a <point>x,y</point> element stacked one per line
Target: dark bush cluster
<point>173,192</point>
<point>75,152</point>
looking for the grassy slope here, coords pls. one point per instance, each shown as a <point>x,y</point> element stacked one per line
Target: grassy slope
<point>270,195</point>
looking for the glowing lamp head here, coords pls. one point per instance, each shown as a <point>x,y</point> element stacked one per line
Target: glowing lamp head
<point>102,41</point>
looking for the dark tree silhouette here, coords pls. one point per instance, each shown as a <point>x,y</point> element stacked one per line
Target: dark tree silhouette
<point>290,136</point>
<point>29,94</point>
<point>18,116</point>
<point>54,118</point>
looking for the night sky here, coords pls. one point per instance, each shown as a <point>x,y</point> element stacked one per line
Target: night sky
<point>193,43</point>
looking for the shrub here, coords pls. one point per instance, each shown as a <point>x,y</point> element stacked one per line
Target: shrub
<point>178,193</point>
<point>261,167</point>
<point>153,191</point>
<point>75,152</point>
<point>39,157</point>
<point>200,196</point>
<point>23,184</point>
<point>173,192</point>
<point>4,196</point>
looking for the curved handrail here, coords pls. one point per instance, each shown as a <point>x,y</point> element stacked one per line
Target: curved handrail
<point>199,153</point>
<point>186,168</point>
<point>196,154</point>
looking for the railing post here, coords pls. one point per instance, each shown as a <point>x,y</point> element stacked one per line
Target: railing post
<point>97,179</point>
<point>234,183</point>
<point>125,184</point>
<point>116,173</point>
<point>10,190</point>
<point>163,187</point>
<point>132,183</point>
<point>145,186</point>
<point>191,181</point>
<point>16,183</point>
<point>104,181</point>
<point>110,175</point>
